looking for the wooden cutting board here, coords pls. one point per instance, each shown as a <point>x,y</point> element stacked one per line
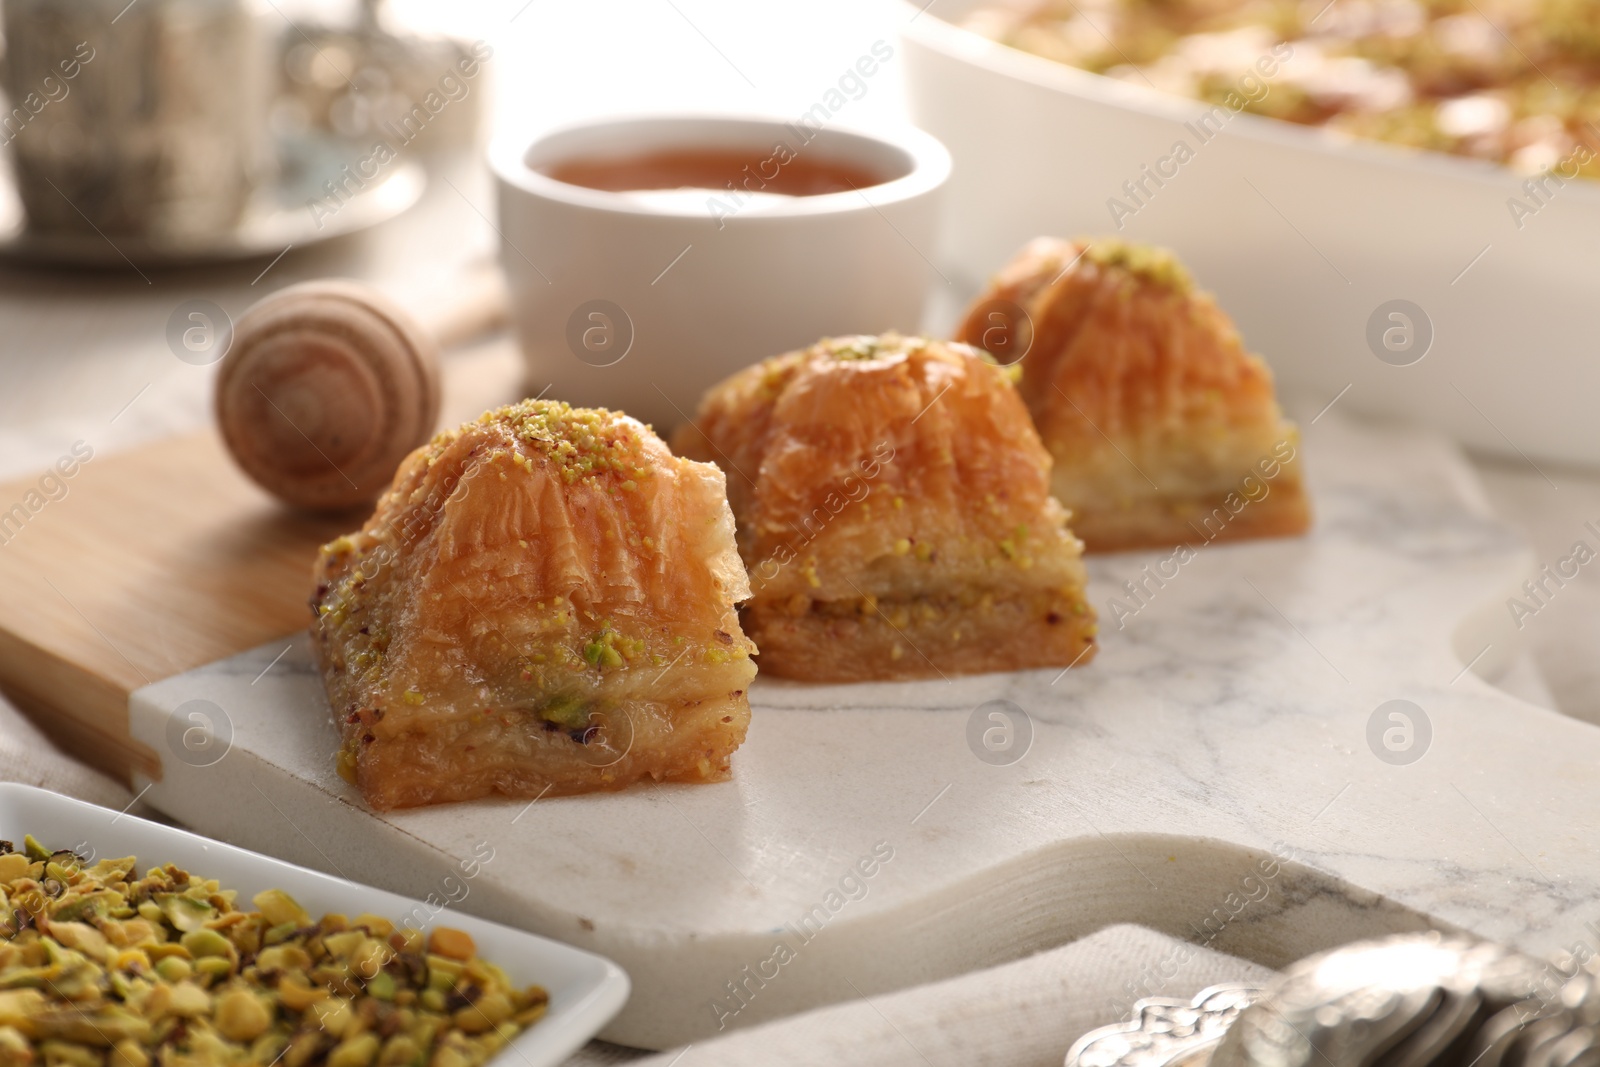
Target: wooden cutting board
<point>157,561</point>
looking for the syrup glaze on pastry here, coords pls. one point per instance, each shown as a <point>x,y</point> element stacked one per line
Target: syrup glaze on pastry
<point>894,511</point>
<point>544,601</point>
<point>1163,428</point>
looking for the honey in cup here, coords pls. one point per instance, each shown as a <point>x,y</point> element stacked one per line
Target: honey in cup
<point>721,180</point>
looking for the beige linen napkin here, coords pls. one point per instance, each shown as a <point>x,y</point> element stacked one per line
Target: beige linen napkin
<point>28,756</point>
<point>1022,1014</point>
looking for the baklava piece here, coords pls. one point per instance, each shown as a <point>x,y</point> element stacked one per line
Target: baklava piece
<point>1164,430</point>
<point>894,512</point>
<point>543,602</point>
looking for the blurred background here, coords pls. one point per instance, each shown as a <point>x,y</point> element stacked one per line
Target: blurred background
<point>80,344</point>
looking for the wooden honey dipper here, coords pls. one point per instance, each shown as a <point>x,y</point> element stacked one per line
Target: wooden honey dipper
<point>329,384</point>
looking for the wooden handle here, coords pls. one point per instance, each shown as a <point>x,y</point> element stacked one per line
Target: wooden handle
<point>326,388</point>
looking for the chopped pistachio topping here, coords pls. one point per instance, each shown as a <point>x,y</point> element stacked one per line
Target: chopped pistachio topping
<point>96,962</point>
<point>1158,266</point>
<point>866,346</point>
<point>578,442</point>
<point>609,649</point>
<point>851,348</point>
<point>581,442</point>
<point>566,709</point>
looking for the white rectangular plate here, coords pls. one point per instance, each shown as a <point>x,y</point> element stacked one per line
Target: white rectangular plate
<point>1223,717</point>
<point>585,990</point>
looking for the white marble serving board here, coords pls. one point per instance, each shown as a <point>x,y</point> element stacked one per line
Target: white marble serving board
<point>1228,717</point>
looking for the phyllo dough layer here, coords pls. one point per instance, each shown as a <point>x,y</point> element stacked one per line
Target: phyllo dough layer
<point>1164,429</point>
<point>543,602</point>
<point>894,512</point>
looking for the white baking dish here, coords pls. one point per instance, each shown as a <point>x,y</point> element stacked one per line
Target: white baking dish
<point>1302,235</point>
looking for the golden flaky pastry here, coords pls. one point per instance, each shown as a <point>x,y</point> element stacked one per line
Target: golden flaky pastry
<point>894,512</point>
<point>1164,430</point>
<point>544,601</point>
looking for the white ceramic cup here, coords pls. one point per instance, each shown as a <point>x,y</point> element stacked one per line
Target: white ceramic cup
<point>640,303</point>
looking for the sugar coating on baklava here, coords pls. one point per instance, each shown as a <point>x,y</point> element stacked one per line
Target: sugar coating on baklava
<point>894,513</point>
<point>1164,429</point>
<point>543,602</point>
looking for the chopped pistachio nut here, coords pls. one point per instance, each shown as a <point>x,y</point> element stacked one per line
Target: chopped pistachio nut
<point>602,651</point>
<point>580,442</point>
<point>849,348</point>
<point>1155,265</point>
<point>99,966</point>
<point>609,649</point>
<point>566,709</point>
